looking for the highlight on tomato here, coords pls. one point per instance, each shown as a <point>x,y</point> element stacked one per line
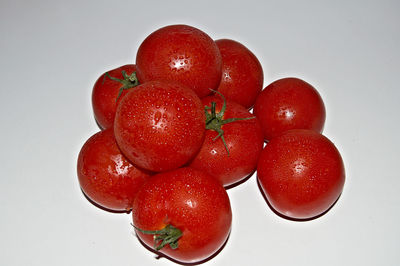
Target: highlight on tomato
<point>108,90</point>
<point>184,214</point>
<point>233,141</point>
<point>242,74</point>
<point>180,53</point>
<point>301,173</point>
<point>160,126</point>
<point>105,175</point>
<point>289,103</point>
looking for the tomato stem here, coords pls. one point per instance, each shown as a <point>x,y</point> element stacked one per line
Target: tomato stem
<point>215,121</point>
<point>169,235</point>
<point>128,81</point>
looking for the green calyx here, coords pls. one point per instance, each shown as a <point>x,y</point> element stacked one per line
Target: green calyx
<point>169,235</point>
<point>215,121</point>
<point>128,81</point>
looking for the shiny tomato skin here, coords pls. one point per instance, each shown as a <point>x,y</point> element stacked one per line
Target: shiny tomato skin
<point>244,140</point>
<point>301,173</point>
<point>242,74</point>
<point>105,95</point>
<point>180,53</point>
<point>190,200</point>
<point>105,175</point>
<point>289,103</point>
<point>160,126</point>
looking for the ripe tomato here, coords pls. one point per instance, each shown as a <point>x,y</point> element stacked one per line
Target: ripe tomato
<point>108,90</point>
<point>244,141</point>
<point>301,173</point>
<point>182,54</point>
<point>105,175</point>
<point>289,103</point>
<point>242,74</point>
<point>184,213</point>
<point>160,126</point>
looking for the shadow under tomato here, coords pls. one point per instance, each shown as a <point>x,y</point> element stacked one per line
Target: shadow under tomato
<point>240,181</point>
<point>103,208</point>
<point>97,122</point>
<point>160,255</point>
<point>290,218</point>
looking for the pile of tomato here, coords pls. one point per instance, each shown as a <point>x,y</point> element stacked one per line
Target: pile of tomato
<point>191,119</point>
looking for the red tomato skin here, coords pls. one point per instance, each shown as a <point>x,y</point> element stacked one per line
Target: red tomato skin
<point>301,173</point>
<point>105,175</point>
<point>289,103</point>
<point>180,53</point>
<point>105,93</point>
<point>160,126</point>
<point>244,140</point>
<point>242,74</point>
<point>190,200</point>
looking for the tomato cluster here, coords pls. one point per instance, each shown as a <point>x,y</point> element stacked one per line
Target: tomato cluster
<point>177,131</point>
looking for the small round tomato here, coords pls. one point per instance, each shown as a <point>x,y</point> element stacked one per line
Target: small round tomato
<point>182,54</point>
<point>160,126</point>
<point>232,144</point>
<point>242,74</point>
<point>108,90</point>
<point>301,173</point>
<point>289,103</point>
<point>184,213</point>
<point>105,175</point>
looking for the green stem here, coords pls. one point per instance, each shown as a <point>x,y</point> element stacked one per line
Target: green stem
<point>128,81</point>
<point>169,235</point>
<point>215,121</point>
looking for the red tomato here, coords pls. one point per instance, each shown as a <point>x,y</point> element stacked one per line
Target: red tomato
<point>244,141</point>
<point>160,126</point>
<point>301,173</point>
<point>108,90</point>
<point>182,54</point>
<point>188,210</point>
<point>289,103</point>
<point>242,74</point>
<point>105,175</point>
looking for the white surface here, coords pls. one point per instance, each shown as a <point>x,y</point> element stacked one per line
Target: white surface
<point>53,51</point>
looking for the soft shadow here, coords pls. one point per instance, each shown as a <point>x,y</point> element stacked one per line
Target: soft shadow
<point>290,218</point>
<point>240,181</point>
<point>97,123</point>
<point>103,208</point>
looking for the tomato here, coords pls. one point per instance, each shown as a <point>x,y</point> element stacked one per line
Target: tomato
<point>243,138</point>
<point>182,54</point>
<point>242,74</point>
<point>160,126</point>
<point>301,173</point>
<point>105,175</point>
<point>289,103</point>
<point>183,213</point>
<point>108,90</point>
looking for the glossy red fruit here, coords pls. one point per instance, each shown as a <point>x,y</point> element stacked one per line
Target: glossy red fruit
<point>188,210</point>
<point>242,74</point>
<point>244,142</point>
<point>160,126</point>
<point>182,54</point>
<point>301,173</point>
<point>289,103</point>
<point>109,90</point>
<point>105,175</point>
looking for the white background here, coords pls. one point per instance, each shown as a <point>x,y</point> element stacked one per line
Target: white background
<point>53,51</point>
